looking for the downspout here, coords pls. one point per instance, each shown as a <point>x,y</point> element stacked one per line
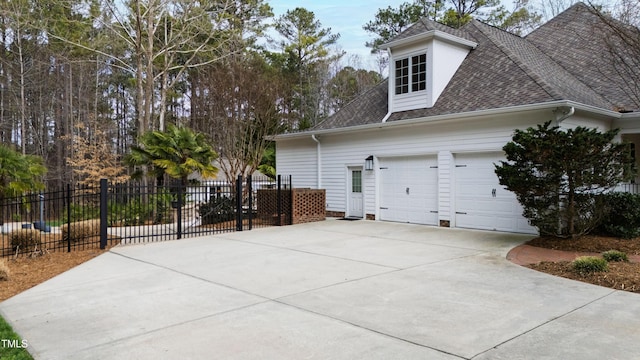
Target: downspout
<point>389,95</point>
<point>564,116</point>
<point>318,160</point>
<point>386,117</point>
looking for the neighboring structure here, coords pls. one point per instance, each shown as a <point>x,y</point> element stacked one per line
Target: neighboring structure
<point>421,146</point>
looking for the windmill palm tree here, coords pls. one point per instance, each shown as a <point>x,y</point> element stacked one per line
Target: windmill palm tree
<point>177,152</point>
<point>19,173</point>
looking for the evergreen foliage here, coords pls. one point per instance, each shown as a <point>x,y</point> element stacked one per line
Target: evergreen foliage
<point>19,173</point>
<point>623,215</point>
<point>559,175</point>
<point>177,152</point>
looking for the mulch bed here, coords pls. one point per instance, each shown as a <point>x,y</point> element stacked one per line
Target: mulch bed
<point>620,275</point>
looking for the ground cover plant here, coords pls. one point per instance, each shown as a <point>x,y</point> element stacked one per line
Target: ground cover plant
<point>12,347</point>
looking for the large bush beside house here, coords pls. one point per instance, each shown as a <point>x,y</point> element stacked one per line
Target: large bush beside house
<point>623,215</point>
<point>217,210</point>
<point>559,176</point>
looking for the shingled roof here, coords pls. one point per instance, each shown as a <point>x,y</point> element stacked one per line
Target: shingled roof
<point>425,25</point>
<point>576,39</point>
<point>556,62</point>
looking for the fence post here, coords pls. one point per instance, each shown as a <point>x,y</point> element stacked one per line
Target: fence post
<point>250,192</point>
<point>103,213</point>
<point>290,222</point>
<point>279,200</point>
<point>68,217</point>
<point>239,203</point>
<point>179,219</point>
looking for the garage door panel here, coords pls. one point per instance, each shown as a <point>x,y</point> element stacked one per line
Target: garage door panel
<point>480,201</point>
<point>409,189</point>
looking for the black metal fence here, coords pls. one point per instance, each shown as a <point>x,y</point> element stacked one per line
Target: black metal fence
<point>76,218</point>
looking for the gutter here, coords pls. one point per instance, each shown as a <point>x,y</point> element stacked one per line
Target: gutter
<point>318,161</point>
<point>629,123</point>
<point>456,116</point>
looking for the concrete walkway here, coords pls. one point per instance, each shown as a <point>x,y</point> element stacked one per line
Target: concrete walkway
<point>329,290</point>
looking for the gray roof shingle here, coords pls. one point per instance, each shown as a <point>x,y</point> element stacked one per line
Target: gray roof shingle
<point>423,25</point>
<point>577,40</point>
<point>504,70</point>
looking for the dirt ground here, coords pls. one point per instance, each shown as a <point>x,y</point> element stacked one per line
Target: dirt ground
<point>620,276</point>
<point>27,271</point>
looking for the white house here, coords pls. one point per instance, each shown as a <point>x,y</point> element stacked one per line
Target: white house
<point>433,131</point>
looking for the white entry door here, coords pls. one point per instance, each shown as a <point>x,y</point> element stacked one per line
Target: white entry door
<point>355,199</point>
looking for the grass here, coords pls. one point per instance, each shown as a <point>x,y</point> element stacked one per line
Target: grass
<point>11,346</point>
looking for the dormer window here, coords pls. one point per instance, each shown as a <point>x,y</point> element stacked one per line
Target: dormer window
<point>414,68</point>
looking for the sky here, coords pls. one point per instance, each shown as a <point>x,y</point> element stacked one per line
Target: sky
<point>344,17</point>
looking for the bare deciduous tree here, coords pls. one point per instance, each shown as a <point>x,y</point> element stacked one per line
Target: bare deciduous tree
<point>240,109</point>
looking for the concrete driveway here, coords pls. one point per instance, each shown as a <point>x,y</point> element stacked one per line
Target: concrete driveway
<point>328,290</point>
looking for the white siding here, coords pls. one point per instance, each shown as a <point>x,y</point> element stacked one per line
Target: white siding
<point>299,159</point>
<point>445,162</point>
<point>341,150</point>
<point>580,120</point>
<point>447,58</point>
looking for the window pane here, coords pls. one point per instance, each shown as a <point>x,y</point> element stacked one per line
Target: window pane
<point>419,72</point>
<point>356,181</point>
<point>402,76</point>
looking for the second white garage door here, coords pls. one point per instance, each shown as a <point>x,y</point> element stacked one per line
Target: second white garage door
<point>409,189</point>
<point>480,201</point>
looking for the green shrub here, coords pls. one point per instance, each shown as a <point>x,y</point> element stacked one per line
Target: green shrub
<point>80,230</point>
<point>615,256</point>
<point>217,210</point>
<point>81,212</point>
<point>26,239</point>
<point>623,215</point>
<point>589,264</point>
<point>137,211</point>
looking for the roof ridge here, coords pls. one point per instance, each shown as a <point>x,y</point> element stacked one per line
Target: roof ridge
<point>559,16</point>
<point>515,58</point>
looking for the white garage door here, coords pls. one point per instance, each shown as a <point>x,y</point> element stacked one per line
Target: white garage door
<point>409,190</point>
<point>480,201</point>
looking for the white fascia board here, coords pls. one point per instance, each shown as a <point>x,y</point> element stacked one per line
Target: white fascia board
<point>628,123</point>
<point>437,34</point>
<point>457,116</point>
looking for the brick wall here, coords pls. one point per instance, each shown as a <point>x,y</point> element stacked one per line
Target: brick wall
<point>267,206</point>
<point>304,205</point>
<point>309,205</point>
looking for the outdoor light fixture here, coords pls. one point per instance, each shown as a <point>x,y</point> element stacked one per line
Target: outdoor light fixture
<point>368,163</point>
